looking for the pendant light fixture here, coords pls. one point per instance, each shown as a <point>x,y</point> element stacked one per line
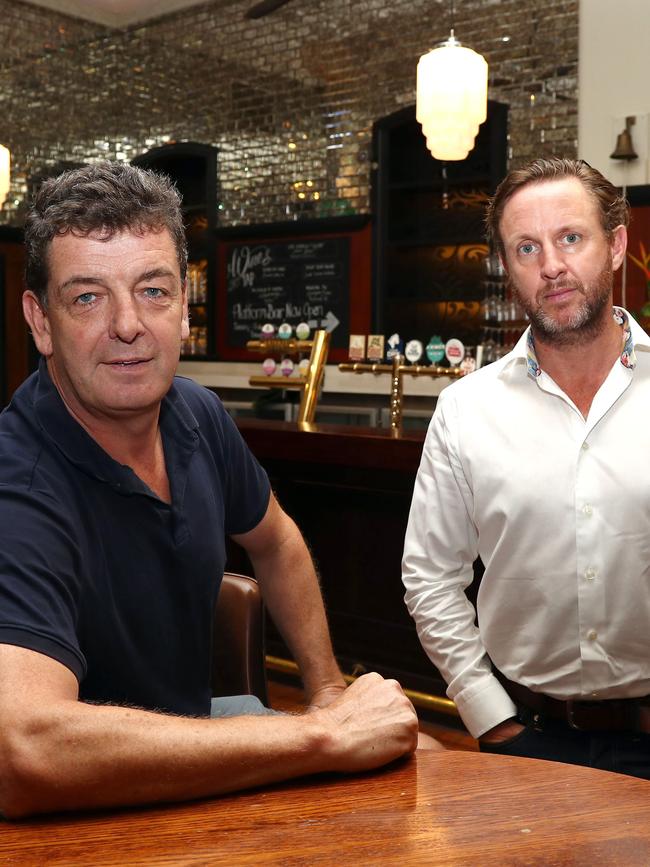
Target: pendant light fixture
<point>5,165</point>
<point>451,97</point>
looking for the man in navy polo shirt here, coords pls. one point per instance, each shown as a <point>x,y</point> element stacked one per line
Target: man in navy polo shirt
<point>118,485</point>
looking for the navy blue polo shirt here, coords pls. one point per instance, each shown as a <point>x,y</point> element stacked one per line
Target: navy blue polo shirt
<point>100,574</point>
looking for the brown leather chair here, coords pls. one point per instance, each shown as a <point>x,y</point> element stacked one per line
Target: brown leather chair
<point>238,666</point>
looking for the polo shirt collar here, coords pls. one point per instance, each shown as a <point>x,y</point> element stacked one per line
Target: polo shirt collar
<point>177,421</point>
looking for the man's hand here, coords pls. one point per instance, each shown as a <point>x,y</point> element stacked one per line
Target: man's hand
<point>505,731</point>
<point>372,722</point>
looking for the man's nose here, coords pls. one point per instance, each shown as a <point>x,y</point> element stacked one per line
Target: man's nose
<point>125,321</point>
<point>552,263</point>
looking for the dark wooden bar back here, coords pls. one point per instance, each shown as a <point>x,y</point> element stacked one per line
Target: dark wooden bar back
<point>349,489</point>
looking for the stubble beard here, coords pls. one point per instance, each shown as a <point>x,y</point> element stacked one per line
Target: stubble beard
<point>586,323</point>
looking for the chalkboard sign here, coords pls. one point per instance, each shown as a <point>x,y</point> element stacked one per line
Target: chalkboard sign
<point>288,281</point>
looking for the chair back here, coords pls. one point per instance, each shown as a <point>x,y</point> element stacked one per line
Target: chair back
<point>238,663</point>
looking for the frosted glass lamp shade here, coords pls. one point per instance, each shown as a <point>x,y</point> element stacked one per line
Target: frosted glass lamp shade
<point>451,98</point>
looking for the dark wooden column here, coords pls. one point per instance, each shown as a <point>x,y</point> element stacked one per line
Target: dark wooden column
<point>14,337</point>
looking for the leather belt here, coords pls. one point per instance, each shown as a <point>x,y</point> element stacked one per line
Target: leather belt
<point>606,715</point>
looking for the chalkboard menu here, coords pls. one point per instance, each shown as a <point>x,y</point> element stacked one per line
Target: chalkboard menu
<point>288,281</point>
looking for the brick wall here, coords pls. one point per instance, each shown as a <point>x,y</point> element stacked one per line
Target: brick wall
<point>288,99</point>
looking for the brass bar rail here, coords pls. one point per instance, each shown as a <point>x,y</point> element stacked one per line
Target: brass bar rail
<point>275,344</point>
<point>398,370</point>
<point>311,383</point>
<point>425,700</point>
<point>314,376</point>
<point>277,381</point>
<point>412,369</point>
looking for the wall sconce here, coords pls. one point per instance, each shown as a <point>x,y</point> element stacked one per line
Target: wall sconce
<point>5,173</point>
<point>624,149</point>
<point>451,98</point>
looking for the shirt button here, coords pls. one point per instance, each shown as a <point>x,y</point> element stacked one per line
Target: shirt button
<point>584,446</point>
<point>588,510</point>
<point>592,635</point>
<point>590,574</point>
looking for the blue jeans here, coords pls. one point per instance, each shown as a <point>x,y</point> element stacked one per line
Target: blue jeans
<point>240,705</point>
<point>622,752</point>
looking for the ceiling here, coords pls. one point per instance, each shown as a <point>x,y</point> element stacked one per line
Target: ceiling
<point>116,13</point>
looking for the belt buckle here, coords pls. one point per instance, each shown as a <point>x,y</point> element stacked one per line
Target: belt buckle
<point>616,715</point>
<point>571,708</point>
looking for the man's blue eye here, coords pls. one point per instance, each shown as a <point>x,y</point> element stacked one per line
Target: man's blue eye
<point>86,298</point>
<point>572,238</point>
<point>153,291</point>
<point>526,249</point>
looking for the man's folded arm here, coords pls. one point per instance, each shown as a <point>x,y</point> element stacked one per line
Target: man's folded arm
<point>58,753</point>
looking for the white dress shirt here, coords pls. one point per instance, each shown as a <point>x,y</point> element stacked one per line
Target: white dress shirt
<point>558,508</point>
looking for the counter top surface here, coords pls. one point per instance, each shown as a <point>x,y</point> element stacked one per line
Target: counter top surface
<point>317,429</point>
<point>235,374</point>
<point>340,445</point>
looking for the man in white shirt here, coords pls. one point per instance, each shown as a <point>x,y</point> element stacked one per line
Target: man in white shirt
<point>539,465</point>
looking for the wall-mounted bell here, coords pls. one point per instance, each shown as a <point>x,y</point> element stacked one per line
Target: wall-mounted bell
<point>624,149</point>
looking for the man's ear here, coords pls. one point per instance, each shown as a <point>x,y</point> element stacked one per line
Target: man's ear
<point>38,323</point>
<point>619,246</point>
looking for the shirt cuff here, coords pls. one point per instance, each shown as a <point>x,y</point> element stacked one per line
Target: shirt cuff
<point>484,705</point>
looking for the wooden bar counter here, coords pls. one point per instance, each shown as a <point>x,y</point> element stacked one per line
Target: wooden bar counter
<point>349,490</point>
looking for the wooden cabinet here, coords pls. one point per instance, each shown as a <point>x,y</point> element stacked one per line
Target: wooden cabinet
<point>193,168</point>
<point>429,244</point>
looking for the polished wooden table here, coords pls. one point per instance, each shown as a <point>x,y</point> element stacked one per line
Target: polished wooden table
<point>451,808</point>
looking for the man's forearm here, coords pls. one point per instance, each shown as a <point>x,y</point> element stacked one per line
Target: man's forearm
<point>60,754</point>
<point>293,597</point>
<point>78,756</point>
<point>284,568</point>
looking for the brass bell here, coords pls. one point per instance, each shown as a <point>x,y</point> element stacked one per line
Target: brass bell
<point>624,149</point>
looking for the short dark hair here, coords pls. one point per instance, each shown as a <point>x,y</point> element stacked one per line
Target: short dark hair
<point>106,197</point>
<point>613,207</point>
